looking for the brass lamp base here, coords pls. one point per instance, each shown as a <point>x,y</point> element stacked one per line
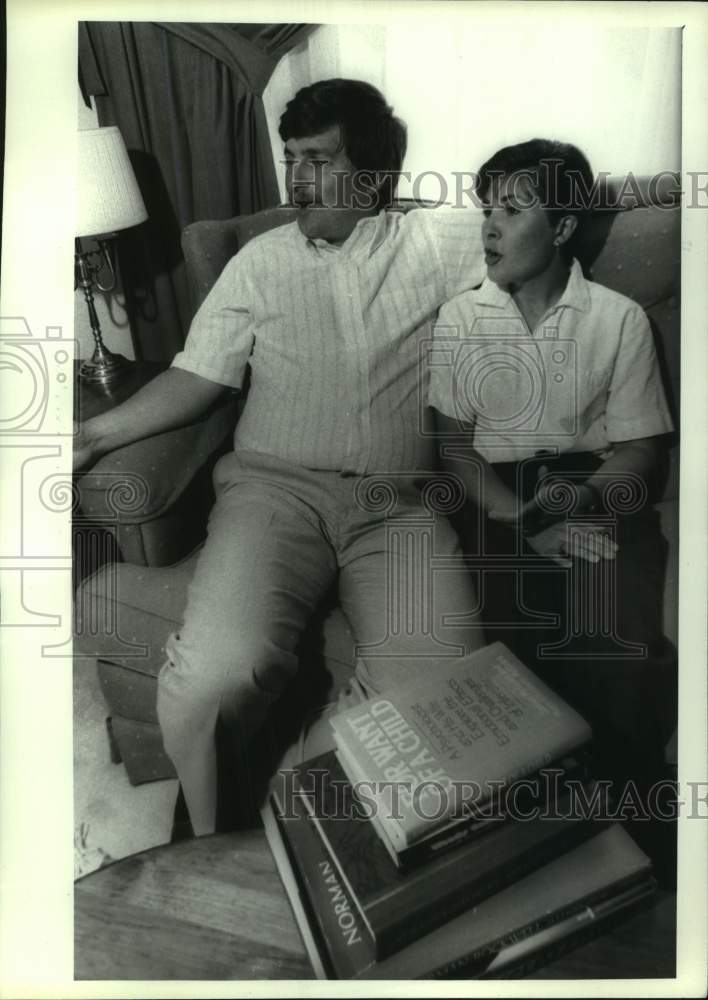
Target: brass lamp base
<point>104,368</point>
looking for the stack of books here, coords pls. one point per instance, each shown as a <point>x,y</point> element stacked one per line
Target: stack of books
<point>450,833</point>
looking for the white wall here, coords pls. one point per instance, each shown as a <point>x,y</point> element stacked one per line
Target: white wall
<point>110,306</point>
<point>467,87</point>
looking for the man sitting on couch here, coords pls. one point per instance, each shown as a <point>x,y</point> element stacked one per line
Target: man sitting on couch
<point>328,313</point>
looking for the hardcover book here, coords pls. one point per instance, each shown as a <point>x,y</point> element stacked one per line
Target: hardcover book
<point>541,915</point>
<point>515,800</point>
<point>440,751</point>
<point>393,906</point>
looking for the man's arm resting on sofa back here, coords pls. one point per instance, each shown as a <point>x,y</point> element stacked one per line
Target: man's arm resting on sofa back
<point>172,399</point>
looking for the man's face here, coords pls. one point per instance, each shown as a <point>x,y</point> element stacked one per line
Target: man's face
<point>319,179</point>
<point>517,233</point>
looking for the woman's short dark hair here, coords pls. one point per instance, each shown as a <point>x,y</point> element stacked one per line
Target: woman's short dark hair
<point>373,137</point>
<point>559,172</point>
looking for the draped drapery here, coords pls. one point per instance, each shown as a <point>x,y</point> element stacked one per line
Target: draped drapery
<point>188,101</point>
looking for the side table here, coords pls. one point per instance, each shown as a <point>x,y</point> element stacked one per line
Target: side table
<point>214,908</point>
<point>90,399</point>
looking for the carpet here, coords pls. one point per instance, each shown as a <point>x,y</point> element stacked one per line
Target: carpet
<point>112,818</point>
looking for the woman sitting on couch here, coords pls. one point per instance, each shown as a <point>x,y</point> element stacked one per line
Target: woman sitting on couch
<point>555,407</point>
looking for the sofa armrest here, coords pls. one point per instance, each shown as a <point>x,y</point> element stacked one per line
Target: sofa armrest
<point>142,483</point>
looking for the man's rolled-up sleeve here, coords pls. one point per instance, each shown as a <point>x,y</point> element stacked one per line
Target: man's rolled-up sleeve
<point>220,338</point>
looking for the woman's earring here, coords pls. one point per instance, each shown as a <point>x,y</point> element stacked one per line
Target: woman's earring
<point>557,242</point>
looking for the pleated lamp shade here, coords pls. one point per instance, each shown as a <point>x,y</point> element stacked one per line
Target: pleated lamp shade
<point>108,197</point>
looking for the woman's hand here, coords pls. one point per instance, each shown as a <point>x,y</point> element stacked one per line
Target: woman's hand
<point>532,514</point>
<point>564,540</point>
<point>561,539</point>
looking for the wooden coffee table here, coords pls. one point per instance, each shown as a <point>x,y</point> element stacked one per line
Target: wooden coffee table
<point>214,908</point>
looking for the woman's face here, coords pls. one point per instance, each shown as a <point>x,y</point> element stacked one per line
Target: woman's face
<point>517,233</point>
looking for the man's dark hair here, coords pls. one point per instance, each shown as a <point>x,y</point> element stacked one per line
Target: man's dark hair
<point>373,137</point>
<point>559,172</point>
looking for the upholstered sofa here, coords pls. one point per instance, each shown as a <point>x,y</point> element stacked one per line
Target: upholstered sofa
<point>126,610</point>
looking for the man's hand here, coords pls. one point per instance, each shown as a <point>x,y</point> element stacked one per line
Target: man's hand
<point>172,399</point>
<point>85,452</point>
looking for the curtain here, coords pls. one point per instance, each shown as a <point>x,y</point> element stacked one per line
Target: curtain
<point>188,101</point>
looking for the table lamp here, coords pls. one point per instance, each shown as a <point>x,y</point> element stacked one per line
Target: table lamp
<point>107,200</point>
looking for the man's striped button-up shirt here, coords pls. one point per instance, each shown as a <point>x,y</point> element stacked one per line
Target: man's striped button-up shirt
<point>335,337</point>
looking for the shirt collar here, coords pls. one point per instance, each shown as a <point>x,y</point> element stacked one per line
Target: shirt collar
<point>576,294</point>
<point>366,237</point>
